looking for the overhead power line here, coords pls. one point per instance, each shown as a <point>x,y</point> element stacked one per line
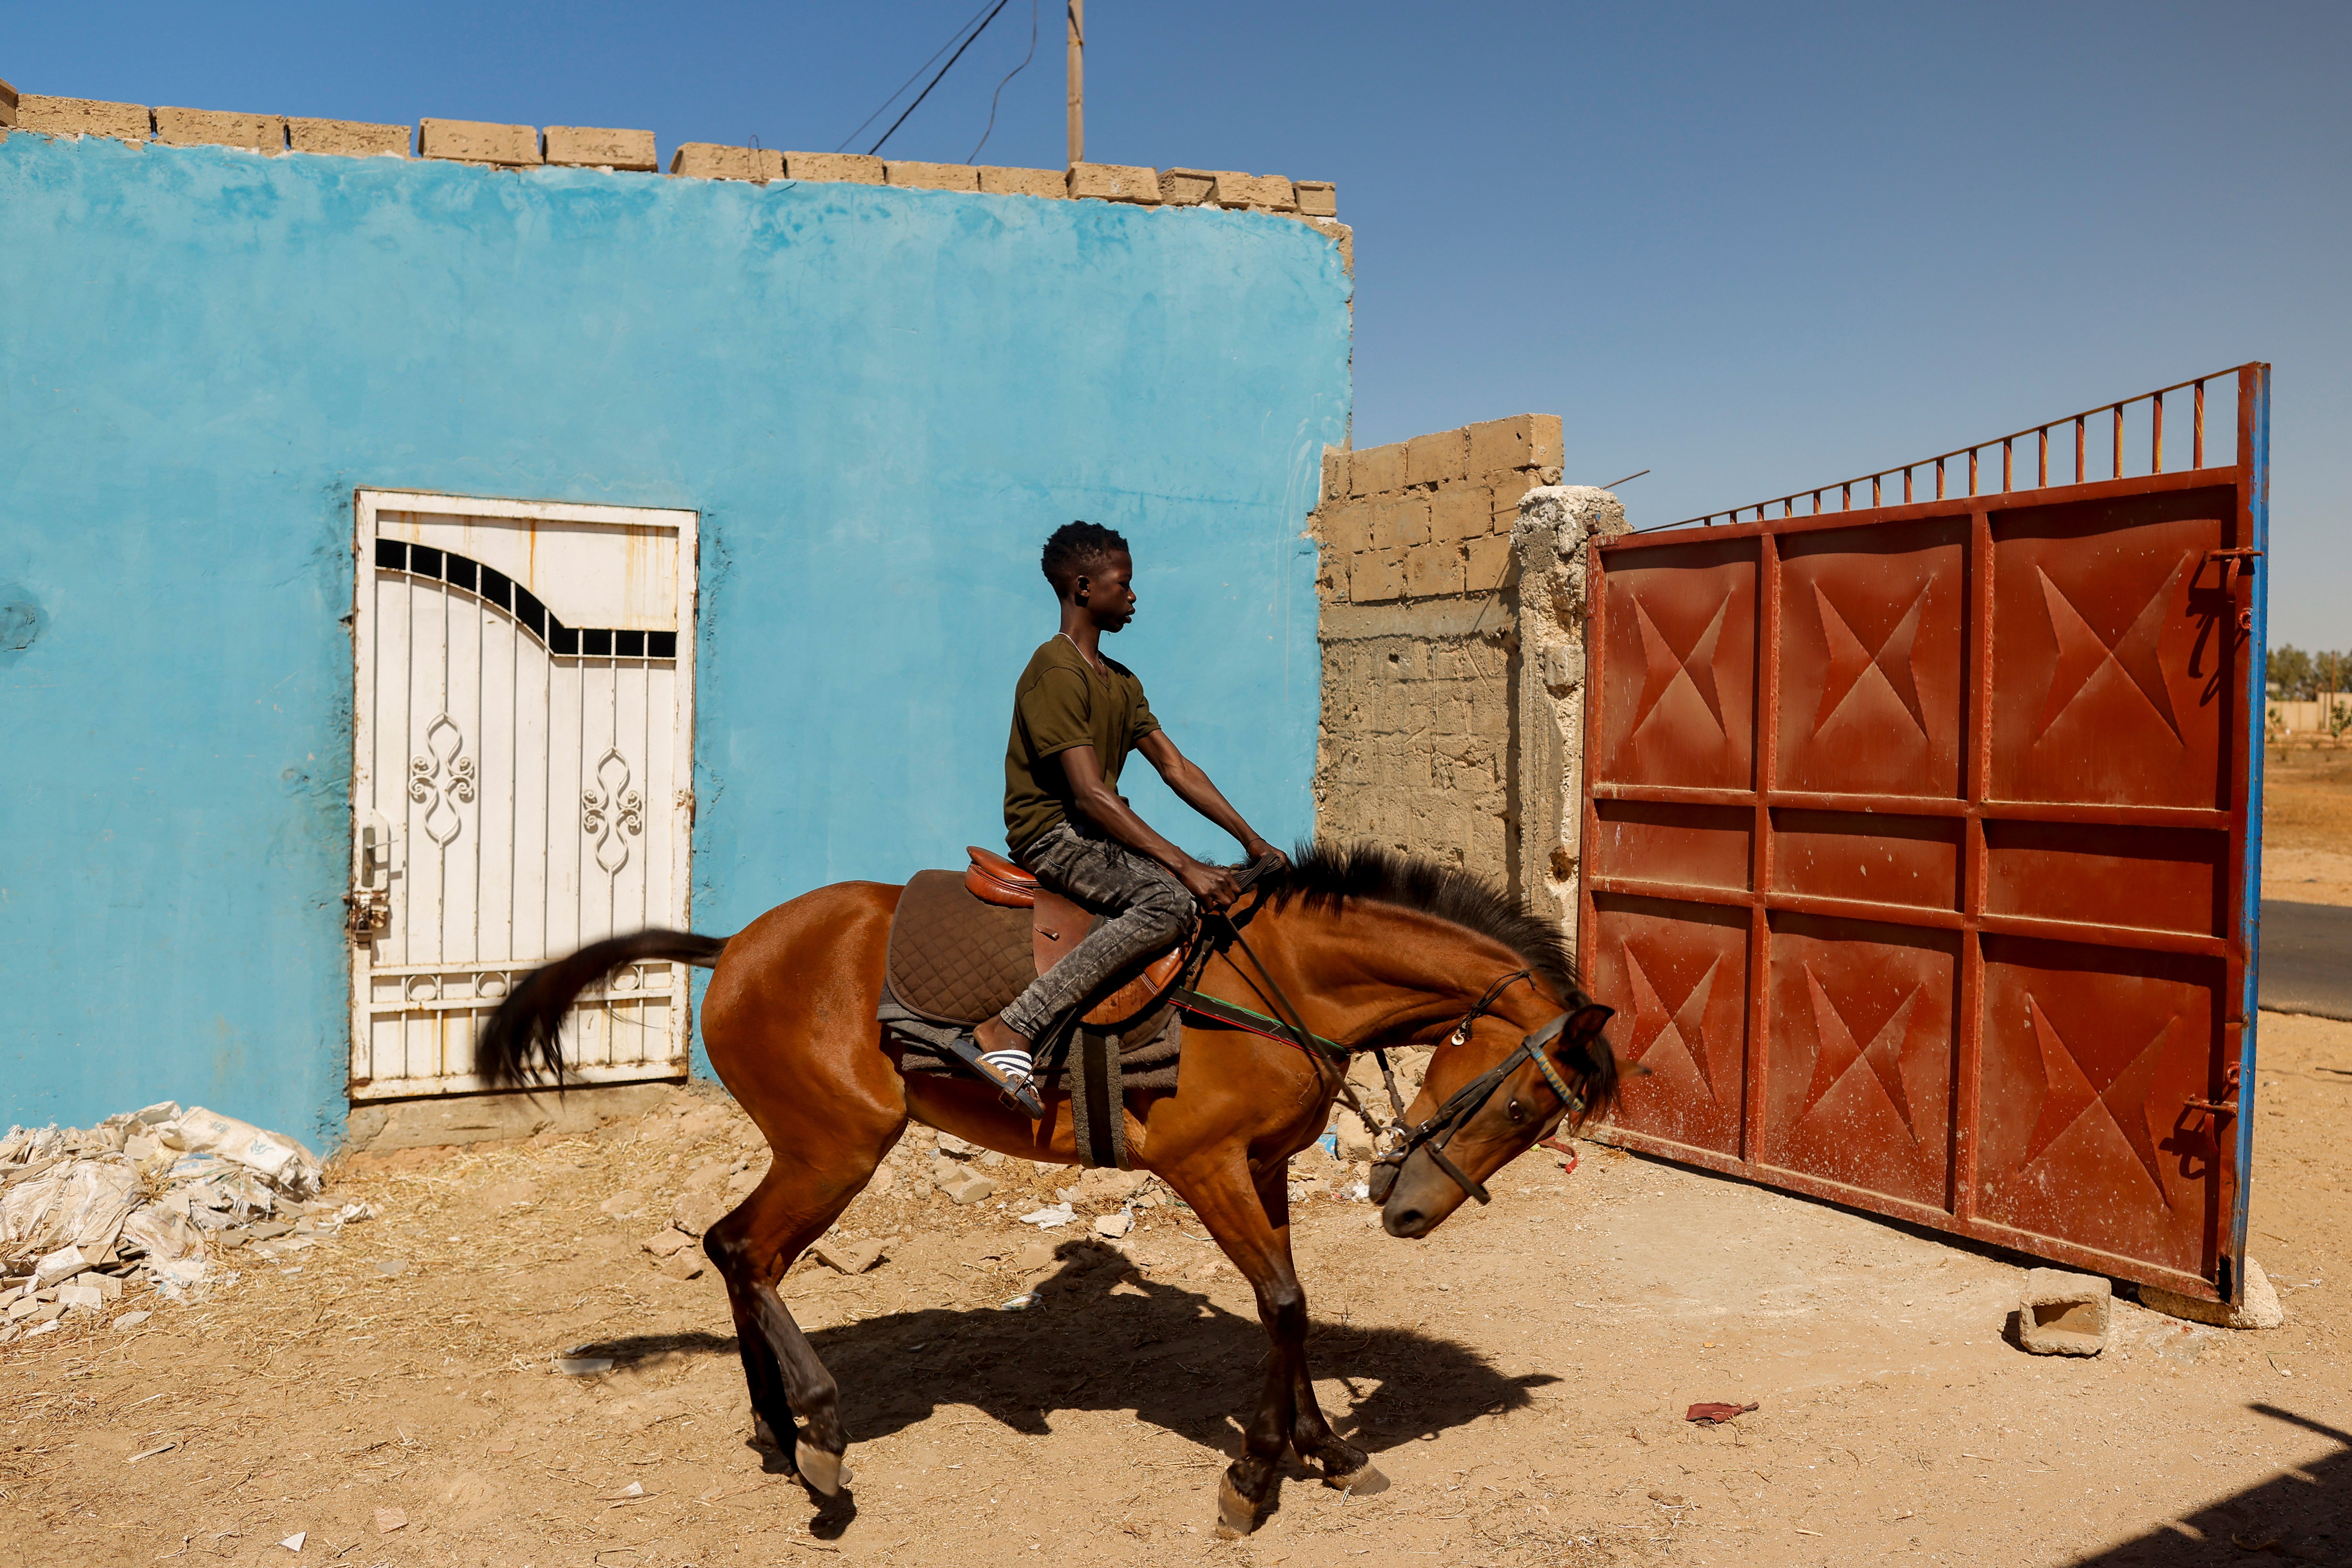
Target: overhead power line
<point>910,108</point>
<point>1001,86</point>
<point>883,107</point>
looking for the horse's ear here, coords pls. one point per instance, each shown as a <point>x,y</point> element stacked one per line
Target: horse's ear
<point>1589,1020</point>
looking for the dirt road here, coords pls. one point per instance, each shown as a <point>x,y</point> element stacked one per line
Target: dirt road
<point>1521,1376</point>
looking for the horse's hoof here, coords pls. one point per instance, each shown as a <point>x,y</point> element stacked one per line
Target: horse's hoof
<point>1363,1482</point>
<point>1236,1515</point>
<point>826,1474</point>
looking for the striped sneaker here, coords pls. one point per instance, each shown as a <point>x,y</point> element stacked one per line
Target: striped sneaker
<point>1012,1072</point>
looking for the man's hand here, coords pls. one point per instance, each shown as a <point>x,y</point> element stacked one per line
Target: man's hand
<point>1259,851</point>
<point>1212,885</point>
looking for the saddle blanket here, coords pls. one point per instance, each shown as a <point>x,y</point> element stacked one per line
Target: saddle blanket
<point>955,960</point>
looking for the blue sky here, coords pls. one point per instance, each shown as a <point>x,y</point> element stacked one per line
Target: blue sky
<point>1748,248</point>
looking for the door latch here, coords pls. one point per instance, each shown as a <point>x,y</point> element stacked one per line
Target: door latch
<point>370,899</point>
<point>2233,562</point>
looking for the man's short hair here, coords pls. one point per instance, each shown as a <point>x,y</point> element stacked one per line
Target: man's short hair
<point>1076,550</point>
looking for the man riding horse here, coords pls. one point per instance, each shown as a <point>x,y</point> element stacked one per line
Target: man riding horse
<point>1076,717</point>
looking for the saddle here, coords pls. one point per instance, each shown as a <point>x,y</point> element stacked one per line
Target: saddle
<point>1056,925</point>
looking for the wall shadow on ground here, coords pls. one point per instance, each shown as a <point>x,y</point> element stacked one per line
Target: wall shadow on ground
<point>2303,1515</point>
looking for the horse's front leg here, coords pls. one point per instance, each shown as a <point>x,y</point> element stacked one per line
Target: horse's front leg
<point>1250,1219</point>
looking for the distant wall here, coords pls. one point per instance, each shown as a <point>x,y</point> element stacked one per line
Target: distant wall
<point>878,399</point>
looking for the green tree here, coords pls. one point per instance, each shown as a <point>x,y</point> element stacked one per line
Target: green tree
<point>2290,674</point>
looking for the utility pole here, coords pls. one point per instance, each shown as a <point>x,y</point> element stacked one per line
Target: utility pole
<point>1077,94</point>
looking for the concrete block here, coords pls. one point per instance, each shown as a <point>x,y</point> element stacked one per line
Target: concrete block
<point>1186,187</point>
<point>932,176</point>
<point>849,1257</point>
<point>1502,500</point>
<point>687,1265</point>
<point>1317,198</point>
<point>2063,1313</point>
<point>1374,470</point>
<point>1484,563</point>
<point>1335,475</point>
<point>697,1212</point>
<point>1348,526</point>
<point>710,161</point>
<point>594,147</point>
<point>1459,511</point>
<point>1522,441</point>
<point>2258,1307</point>
<point>1374,575</point>
<point>1261,193</point>
<point>479,142</point>
<point>1400,522</point>
<point>961,1182</point>
<point>1440,456</point>
<point>7,104</point>
<point>1431,570</point>
<point>347,138</point>
<point>83,117</point>
<point>1116,182</point>
<point>1048,184</point>
<point>219,128</point>
<point>833,168</point>
<point>667,1241</point>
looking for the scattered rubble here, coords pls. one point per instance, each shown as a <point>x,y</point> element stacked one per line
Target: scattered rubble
<point>160,1197</point>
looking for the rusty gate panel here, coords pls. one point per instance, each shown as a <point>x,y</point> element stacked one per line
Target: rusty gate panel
<point>1921,842</point>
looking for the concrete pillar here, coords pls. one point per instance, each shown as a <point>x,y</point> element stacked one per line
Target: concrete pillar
<point>1555,524</point>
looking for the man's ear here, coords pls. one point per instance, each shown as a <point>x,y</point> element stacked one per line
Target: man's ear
<point>1078,590</point>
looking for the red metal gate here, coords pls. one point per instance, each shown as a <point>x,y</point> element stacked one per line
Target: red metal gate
<point>1920,846</point>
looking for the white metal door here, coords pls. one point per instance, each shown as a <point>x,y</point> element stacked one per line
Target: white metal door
<point>521,776</point>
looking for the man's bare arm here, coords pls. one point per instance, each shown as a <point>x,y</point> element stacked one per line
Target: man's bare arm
<point>1212,885</point>
<point>1195,789</point>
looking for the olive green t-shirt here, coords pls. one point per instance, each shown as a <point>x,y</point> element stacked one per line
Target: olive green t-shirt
<point>1062,702</point>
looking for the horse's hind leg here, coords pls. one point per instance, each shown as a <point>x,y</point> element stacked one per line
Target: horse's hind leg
<point>752,1248</point>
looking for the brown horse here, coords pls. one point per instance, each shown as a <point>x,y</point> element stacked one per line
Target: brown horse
<point>1378,950</point>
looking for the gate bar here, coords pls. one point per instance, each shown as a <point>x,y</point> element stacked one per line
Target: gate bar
<point>1788,503</point>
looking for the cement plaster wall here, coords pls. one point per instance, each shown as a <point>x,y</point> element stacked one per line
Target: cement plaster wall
<point>878,400</point>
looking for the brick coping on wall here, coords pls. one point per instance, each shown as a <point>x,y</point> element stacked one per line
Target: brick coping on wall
<point>517,147</point>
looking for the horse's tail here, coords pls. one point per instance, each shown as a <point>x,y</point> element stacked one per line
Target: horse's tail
<point>525,1024</point>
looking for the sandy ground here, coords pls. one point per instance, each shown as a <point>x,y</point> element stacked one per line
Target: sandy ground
<point>2307,826</point>
<point>1521,1376</point>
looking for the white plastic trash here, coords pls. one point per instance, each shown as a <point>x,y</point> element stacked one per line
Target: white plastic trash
<point>283,1161</point>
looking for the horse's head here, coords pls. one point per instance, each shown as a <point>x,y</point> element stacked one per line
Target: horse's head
<point>1489,1099</point>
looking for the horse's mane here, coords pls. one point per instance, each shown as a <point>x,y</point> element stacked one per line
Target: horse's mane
<point>1328,874</point>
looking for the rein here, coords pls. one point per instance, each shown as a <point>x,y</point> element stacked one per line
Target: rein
<point>1432,1135</point>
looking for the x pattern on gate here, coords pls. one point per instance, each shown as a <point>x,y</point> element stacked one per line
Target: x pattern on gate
<point>1918,851</point>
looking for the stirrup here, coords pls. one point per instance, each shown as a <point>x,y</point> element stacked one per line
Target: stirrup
<point>1022,1091</point>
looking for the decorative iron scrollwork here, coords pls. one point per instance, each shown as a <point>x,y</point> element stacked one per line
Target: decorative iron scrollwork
<point>444,741</point>
<point>611,809</point>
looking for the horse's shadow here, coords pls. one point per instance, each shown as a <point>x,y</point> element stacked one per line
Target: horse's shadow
<point>1100,1335</point>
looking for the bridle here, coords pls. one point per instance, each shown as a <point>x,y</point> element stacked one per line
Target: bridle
<point>1431,1136</point>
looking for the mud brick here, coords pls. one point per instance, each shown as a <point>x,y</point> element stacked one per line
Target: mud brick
<point>83,117</point>
<point>1374,575</point>
<point>710,161</point>
<point>1262,192</point>
<point>1348,526</point>
<point>588,147</point>
<point>7,104</point>
<point>1335,474</point>
<point>1433,570</point>
<point>1522,441</point>
<point>219,128</point>
<point>347,138</point>
<point>1459,512</point>
<point>932,176</point>
<point>1116,182</point>
<point>1374,470</point>
<point>1502,500</point>
<point>1484,563</point>
<point>1437,457</point>
<point>836,168</point>
<point>1317,198</point>
<point>2063,1313</point>
<point>1048,184</point>
<point>1186,187</point>
<point>479,142</point>
<point>1400,522</point>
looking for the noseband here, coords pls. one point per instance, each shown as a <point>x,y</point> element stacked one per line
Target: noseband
<point>1432,1135</point>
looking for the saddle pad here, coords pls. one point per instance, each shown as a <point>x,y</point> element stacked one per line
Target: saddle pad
<point>952,957</point>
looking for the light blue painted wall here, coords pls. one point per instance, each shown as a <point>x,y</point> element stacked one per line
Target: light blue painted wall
<point>879,400</point>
